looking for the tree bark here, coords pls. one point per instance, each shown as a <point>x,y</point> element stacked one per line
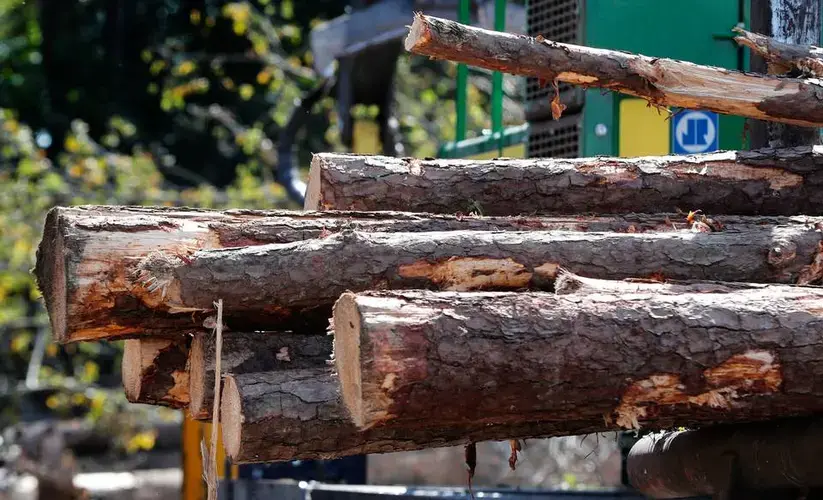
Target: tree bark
<point>83,259</point>
<point>298,415</point>
<point>663,82</point>
<point>275,285</point>
<point>795,22</point>
<point>783,57</point>
<point>750,457</point>
<point>603,361</point>
<point>154,371</point>
<point>764,182</point>
<point>249,353</point>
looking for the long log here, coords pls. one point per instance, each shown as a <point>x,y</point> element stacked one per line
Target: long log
<point>783,57</point>
<point>728,459</point>
<point>762,182</point>
<point>249,353</point>
<point>83,259</point>
<point>154,371</point>
<point>663,82</point>
<point>277,283</point>
<point>603,361</point>
<point>298,415</point>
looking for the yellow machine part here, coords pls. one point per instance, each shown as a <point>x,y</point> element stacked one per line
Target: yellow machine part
<point>513,151</point>
<point>195,431</point>
<point>643,130</point>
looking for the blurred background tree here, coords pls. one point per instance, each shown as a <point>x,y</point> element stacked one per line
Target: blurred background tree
<point>160,102</point>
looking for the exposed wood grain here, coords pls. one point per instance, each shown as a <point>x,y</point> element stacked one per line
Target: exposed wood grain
<point>154,371</point>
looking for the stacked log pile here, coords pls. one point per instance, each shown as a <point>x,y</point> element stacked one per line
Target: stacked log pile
<point>592,294</point>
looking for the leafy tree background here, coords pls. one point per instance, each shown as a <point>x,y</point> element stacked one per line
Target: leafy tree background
<point>160,102</point>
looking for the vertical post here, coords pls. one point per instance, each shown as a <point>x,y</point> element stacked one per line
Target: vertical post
<point>497,78</point>
<point>790,21</point>
<point>463,16</point>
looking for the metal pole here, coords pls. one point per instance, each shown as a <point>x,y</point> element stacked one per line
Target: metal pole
<point>497,78</point>
<point>463,16</point>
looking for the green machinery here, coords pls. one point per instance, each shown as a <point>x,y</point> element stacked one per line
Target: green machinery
<point>605,123</point>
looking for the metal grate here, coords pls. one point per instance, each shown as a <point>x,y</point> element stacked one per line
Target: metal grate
<point>557,139</point>
<point>556,20</point>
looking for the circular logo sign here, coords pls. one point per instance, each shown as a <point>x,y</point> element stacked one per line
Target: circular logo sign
<point>695,132</point>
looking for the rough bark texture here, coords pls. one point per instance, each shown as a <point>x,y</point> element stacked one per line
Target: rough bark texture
<point>663,82</point>
<point>154,371</point>
<point>783,57</point>
<point>602,360</point>
<point>249,353</point>
<point>764,182</point>
<point>728,459</point>
<point>84,257</point>
<point>278,284</point>
<point>795,22</point>
<point>297,415</point>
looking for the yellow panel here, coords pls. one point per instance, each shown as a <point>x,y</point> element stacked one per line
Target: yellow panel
<point>194,487</point>
<point>643,129</point>
<point>513,151</point>
<point>366,137</point>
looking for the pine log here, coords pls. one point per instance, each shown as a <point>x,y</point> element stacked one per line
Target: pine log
<point>276,283</point>
<point>711,461</point>
<point>603,361</point>
<point>663,82</point>
<point>762,182</point>
<point>249,353</point>
<point>298,415</point>
<point>154,371</point>
<point>569,283</point>
<point>83,259</point>
<point>783,57</point>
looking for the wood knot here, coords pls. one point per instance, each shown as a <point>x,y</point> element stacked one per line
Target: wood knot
<point>782,254</point>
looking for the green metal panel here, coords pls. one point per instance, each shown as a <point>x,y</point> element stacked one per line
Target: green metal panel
<point>696,31</point>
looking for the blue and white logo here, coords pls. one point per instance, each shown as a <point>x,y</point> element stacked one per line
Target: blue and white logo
<point>695,132</point>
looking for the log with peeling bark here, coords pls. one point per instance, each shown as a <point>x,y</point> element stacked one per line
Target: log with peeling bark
<point>663,82</point>
<point>154,371</point>
<point>783,57</point>
<point>277,283</point>
<point>298,415</point>
<point>762,182</point>
<point>569,283</point>
<point>605,360</point>
<point>84,256</point>
<point>249,353</point>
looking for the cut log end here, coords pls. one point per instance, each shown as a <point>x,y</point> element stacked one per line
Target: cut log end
<point>313,199</point>
<point>198,406</point>
<point>231,417</point>
<point>347,355</point>
<point>154,372</point>
<point>418,33</point>
<point>132,369</point>
<point>50,272</point>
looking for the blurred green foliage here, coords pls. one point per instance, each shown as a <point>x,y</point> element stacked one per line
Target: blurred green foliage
<point>160,102</point>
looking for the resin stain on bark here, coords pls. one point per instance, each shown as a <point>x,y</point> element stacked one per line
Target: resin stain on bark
<point>753,372</point>
<point>470,273</point>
